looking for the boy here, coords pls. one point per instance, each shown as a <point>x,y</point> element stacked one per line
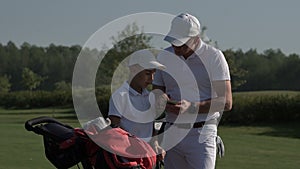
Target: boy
<point>129,106</point>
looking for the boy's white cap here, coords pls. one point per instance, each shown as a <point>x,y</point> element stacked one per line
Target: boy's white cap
<point>145,59</point>
<point>183,27</point>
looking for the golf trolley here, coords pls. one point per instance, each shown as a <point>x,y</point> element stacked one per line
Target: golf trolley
<point>63,147</point>
<point>66,146</point>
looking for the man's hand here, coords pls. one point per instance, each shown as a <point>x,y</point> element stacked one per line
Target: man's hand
<point>184,106</point>
<point>178,107</point>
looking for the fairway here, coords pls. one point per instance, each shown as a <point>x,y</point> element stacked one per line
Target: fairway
<point>247,147</point>
<point>21,149</point>
<point>261,147</point>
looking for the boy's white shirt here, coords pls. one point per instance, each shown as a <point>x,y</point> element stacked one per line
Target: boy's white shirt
<point>135,110</point>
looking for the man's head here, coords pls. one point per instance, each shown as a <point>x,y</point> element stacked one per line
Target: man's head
<point>142,65</point>
<point>183,27</point>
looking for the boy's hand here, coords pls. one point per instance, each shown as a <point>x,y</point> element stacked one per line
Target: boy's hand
<point>160,101</point>
<point>159,151</point>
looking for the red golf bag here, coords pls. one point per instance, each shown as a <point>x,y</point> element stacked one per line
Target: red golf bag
<point>111,148</point>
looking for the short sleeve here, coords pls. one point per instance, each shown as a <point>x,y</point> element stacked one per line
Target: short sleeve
<point>219,68</point>
<point>113,109</point>
<point>158,79</point>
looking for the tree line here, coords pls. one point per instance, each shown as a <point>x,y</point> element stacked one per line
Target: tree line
<point>270,70</point>
<point>31,67</point>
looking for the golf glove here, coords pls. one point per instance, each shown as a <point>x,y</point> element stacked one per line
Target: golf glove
<point>97,124</point>
<point>220,147</point>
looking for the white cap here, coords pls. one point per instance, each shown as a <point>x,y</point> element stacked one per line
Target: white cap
<point>183,27</point>
<point>145,59</point>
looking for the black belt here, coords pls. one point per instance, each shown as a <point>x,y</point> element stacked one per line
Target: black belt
<point>193,125</point>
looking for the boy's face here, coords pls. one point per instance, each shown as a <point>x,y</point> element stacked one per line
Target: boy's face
<point>144,78</point>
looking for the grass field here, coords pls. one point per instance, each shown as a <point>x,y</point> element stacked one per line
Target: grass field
<point>261,147</point>
<point>247,147</point>
<point>21,149</point>
<point>270,92</point>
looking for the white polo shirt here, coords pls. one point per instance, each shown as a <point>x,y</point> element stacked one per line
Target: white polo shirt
<point>134,109</point>
<point>191,78</point>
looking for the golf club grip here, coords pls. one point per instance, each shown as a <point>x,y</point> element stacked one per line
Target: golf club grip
<point>29,125</point>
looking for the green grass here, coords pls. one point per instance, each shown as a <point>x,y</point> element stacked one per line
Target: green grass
<point>268,93</point>
<point>261,147</point>
<point>21,149</point>
<point>247,147</point>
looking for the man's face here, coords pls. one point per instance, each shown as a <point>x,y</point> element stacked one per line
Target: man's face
<point>144,78</point>
<point>186,49</point>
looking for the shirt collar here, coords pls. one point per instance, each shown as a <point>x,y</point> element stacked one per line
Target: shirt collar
<point>196,52</point>
<point>200,48</point>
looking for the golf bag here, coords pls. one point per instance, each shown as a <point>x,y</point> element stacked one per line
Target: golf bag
<point>112,148</point>
<point>116,148</point>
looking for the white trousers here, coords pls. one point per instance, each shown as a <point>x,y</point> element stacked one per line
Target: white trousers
<point>197,150</point>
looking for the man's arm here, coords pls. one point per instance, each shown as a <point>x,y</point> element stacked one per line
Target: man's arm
<point>223,89</point>
<point>223,101</point>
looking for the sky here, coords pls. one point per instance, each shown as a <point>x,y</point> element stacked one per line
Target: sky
<point>234,24</point>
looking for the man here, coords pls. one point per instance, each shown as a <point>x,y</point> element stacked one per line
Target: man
<point>197,84</point>
<point>129,106</point>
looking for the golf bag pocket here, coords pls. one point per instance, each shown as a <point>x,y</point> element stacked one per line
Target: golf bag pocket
<point>117,149</point>
<point>63,148</point>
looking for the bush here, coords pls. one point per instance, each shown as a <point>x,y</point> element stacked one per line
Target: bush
<point>260,107</point>
<point>248,107</point>
<point>35,99</point>
<point>103,95</point>
<point>41,99</point>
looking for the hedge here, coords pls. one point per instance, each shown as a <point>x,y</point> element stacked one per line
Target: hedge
<point>248,107</point>
<point>35,99</point>
<point>263,107</point>
<point>42,99</point>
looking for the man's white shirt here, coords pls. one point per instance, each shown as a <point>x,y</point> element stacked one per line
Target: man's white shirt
<point>191,78</point>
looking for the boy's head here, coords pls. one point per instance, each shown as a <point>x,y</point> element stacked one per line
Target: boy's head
<point>142,65</point>
<point>145,59</point>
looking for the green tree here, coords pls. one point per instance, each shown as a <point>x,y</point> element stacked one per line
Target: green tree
<point>237,73</point>
<point>12,64</point>
<point>289,72</point>
<point>30,79</point>
<point>129,40</point>
<point>62,86</point>
<point>4,84</point>
<point>263,70</point>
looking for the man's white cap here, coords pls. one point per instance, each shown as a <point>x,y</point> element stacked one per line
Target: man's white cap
<point>145,59</point>
<point>183,27</point>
